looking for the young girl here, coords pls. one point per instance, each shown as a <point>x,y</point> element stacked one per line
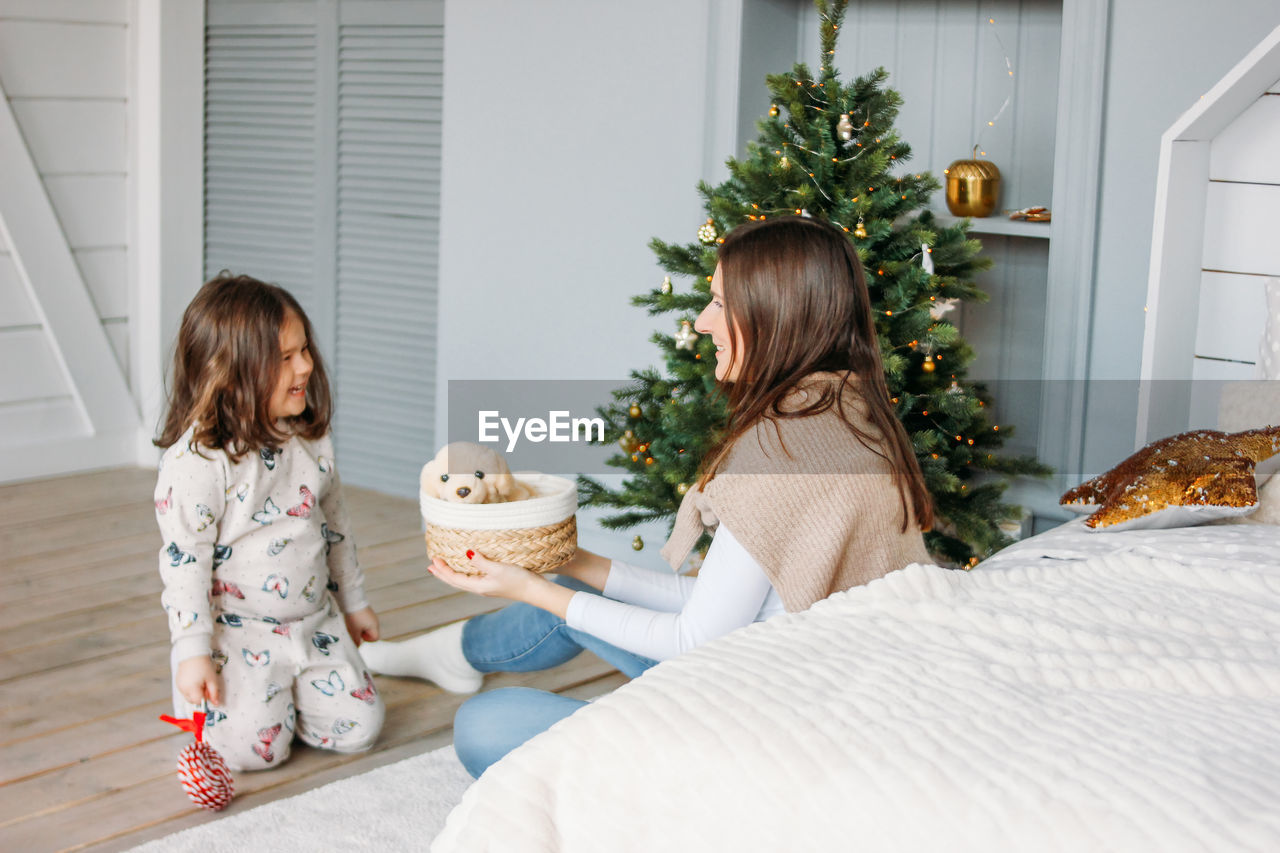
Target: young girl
<point>265,601</point>
<point>814,488</point>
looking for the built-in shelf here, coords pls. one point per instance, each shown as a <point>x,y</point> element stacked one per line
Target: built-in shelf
<point>1000,224</point>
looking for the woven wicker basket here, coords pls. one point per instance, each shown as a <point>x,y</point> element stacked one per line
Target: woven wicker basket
<point>539,533</point>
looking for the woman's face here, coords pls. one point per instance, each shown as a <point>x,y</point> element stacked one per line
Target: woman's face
<point>714,321</point>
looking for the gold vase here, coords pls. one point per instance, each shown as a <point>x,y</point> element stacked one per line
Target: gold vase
<point>973,187</point>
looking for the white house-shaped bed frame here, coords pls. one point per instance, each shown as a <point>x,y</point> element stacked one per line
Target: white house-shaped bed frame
<point>1214,243</point>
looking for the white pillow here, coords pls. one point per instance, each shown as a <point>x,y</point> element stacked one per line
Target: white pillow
<point>1269,347</point>
<point>1246,405</point>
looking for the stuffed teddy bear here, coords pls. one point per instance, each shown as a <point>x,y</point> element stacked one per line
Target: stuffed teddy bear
<point>471,474</point>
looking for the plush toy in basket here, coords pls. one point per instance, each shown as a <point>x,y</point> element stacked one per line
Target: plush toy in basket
<point>471,501</point>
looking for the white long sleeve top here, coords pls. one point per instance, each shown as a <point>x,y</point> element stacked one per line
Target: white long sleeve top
<point>659,615</point>
<point>266,537</point>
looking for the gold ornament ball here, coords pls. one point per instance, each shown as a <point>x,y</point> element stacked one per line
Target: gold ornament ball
<point>860,231</point>
<point>773,110</point>
<point>634,411</point>
<point>629,442</point>
<point>973,187</point>
<point>637,544</point>
<point>681,488</point>
<point>928,366</point>
<point>707,232</point>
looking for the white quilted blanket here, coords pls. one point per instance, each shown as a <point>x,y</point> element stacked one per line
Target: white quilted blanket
<point>1124,701</point>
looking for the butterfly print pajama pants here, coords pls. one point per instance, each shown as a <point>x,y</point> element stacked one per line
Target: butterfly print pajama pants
<point>302,678</point>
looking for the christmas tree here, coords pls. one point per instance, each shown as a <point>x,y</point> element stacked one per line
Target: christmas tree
<point>830,151</point>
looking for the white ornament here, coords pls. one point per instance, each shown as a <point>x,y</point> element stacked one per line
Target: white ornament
<point>941,307</point>
<point>844,128</point>
<point>926,258</point>
<point>686,337</point>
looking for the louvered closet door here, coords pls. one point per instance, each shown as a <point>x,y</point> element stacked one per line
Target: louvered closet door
<point>323,172</point>
<point>390,83</point>
<point>262,187</point>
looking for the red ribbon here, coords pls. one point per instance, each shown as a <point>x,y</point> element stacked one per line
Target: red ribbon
<point>195,725</point>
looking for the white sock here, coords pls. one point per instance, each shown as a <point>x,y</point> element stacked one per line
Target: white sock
<point>434,656</point>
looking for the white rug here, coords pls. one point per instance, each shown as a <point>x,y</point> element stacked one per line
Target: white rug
<point>398,807</point>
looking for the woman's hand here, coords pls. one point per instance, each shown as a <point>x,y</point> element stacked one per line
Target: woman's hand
<point>496,580</point>
<point>503,580</point>
<point>197,680</point>
<point>362,625</point>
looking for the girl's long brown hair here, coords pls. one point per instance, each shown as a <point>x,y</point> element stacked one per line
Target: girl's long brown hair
<point>226,364</point>
<point>795,290</point>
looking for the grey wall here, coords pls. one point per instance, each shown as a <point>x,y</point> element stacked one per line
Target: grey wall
<point>1163,55</point>
<point>574,131</point>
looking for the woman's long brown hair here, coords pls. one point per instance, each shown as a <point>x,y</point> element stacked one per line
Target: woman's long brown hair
<point>226,364</point>
<point>795,290</point>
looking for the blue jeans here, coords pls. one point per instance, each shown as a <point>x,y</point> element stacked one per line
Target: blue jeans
<point>523,638</point>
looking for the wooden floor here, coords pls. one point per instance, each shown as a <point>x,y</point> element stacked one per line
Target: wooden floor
<point>84,673</point>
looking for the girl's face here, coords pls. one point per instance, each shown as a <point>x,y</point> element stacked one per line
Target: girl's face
<point>714,321</point>
<point>289,399</point>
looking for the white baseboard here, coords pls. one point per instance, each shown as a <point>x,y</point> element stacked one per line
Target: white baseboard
<point>69,456</point>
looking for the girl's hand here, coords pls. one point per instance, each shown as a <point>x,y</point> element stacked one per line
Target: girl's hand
<point>197,680</point>
<point>497,580</point>
<point>362,625</point>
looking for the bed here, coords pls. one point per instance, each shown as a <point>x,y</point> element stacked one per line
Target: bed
<point>1078,691</point>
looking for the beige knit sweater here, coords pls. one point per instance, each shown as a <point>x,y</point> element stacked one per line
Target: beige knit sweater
<point>817,510</point>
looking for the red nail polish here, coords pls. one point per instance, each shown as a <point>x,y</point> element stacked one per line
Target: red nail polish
<point>471,554</point>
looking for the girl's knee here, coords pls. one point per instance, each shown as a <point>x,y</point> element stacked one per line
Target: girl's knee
<point>269,748</point>
<point>362,735</point>
<point>356,732</point>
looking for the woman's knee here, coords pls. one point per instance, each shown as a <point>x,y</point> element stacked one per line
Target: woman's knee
<point>489,725</point>
<point>478,728</point>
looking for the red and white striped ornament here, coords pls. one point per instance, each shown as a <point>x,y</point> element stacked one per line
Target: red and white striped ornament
<point>201,770</point>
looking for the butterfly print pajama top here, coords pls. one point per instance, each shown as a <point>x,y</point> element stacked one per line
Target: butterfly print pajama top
<point>266,538</point>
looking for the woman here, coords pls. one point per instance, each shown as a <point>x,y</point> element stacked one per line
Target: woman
<point>814,488</point>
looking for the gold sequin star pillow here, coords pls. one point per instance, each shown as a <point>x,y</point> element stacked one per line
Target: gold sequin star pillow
<point>1186,479</point>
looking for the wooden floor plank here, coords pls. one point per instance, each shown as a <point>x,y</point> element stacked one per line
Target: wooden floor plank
<point>84,762</point>
<point>115,812</point>
<point>25,504</point>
